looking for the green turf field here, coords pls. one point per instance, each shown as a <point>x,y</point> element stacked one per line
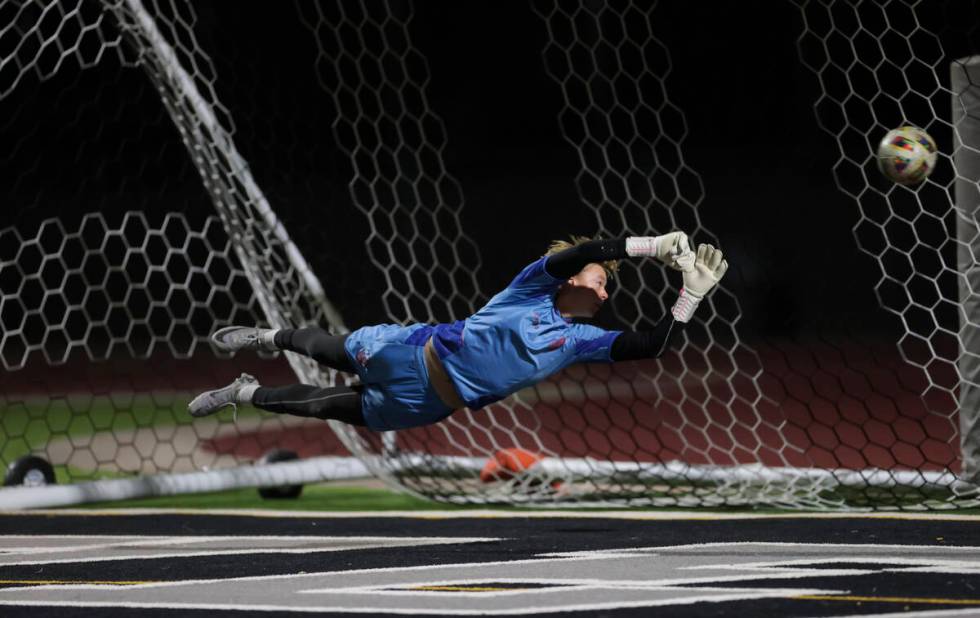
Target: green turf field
<point>322,497</point>
<point>31,425</point>
<point>329,497</point>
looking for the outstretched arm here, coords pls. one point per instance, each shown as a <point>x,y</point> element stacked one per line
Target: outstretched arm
<point>708,268</point>
<point>632,345</point>
<point>569,262</point>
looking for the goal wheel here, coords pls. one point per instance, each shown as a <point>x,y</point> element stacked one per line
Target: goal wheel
<point>29,471</point>
<point>284,491</point>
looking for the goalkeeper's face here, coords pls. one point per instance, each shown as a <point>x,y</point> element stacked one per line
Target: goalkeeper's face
<point>582,295</point>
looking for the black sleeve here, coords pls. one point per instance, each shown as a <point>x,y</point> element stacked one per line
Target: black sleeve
<point>570,261</point>
<point>647,344</point>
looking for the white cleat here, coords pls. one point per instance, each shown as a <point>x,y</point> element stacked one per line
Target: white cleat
<point>209,402</point>
<point>232,338</point>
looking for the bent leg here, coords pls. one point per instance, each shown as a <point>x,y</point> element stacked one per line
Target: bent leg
<point>318,344</point>
<point>339,403</point>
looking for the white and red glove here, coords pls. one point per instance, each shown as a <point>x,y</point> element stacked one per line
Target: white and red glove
<point>667,248</point>
<point>703,274</point>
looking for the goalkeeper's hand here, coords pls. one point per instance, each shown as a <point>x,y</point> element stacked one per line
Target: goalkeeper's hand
<point>667,248</point>
<point>708,269</point>
<point>704,272</point>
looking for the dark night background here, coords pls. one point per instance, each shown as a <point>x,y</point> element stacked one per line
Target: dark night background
<point>752,136</point>
<point>765,163</point>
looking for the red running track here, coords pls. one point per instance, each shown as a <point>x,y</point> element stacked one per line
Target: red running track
<point>840,405</point>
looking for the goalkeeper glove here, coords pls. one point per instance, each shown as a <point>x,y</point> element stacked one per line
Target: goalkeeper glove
<point>666,248</point>
<point>704,274</point>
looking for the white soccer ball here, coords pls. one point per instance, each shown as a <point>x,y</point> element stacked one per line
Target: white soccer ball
<point>907,155</point>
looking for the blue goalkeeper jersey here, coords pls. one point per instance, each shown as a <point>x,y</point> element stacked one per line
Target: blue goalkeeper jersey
<point>516,340</point>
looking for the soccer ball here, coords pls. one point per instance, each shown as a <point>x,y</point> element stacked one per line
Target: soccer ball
<point>907,155</point>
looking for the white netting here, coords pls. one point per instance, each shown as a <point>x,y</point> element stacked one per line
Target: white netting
<point>882,65</point>
<point>697,427</point>
<point>113,273</point>
<point>628,136</point>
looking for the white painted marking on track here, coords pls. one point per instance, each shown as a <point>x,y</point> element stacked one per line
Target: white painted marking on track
<point>926,565</point>
<point>357,591</point>
<point>115,541</point>
<point>632,551</point>
<point>929,613</point>
<point>566,585</point>
<point>548,609</point>
<point>196,546</point>
<point>581,556</point>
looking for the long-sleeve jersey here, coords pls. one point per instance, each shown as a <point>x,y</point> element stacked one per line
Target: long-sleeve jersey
<point>519,337</point>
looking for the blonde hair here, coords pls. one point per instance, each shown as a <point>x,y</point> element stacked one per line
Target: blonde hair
<point>610,266</point>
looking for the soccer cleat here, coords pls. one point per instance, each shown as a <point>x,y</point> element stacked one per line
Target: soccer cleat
<point>209,402</point>
<point>231,338</point>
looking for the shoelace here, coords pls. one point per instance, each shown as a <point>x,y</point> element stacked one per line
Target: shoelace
<point>234,410</point>
<point>247,340</point>
<point>234,405</point>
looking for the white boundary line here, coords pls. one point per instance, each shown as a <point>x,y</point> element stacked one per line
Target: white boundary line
<point>656,515</point>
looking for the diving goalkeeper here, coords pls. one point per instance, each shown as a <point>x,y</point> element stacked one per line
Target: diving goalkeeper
<point>419,374</point>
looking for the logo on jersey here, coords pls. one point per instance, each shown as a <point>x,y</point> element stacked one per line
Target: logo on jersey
<point>362,357</point>
<point>557,343</point>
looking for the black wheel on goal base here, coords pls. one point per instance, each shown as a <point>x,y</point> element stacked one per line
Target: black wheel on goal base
<point>29,471</point>
<point>285,491</point>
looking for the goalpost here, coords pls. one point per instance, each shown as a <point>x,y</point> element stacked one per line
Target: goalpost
<point>148,205</point>
<point>964,75</point>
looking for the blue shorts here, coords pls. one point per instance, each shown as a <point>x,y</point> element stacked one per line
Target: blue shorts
<point>391,364</point>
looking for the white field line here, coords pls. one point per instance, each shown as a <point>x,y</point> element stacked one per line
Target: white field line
<point>700,515</point>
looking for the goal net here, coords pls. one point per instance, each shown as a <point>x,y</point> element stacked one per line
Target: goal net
<point>173,168</point>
